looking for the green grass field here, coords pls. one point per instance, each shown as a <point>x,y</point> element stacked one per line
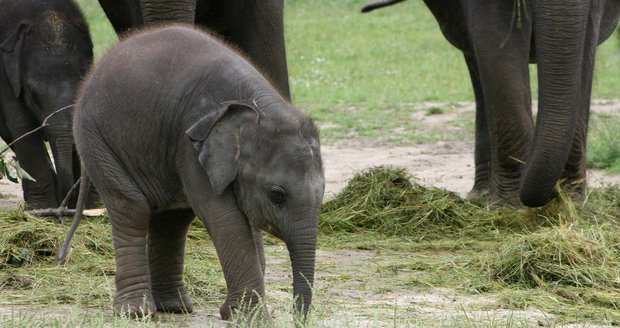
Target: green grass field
<point>383,242</point>
<point>339,57</point>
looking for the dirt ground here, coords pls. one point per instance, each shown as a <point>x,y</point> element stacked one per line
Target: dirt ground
<point>441,164</point>
<point>445,165</point>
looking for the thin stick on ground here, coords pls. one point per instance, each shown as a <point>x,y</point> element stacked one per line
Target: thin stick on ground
<point>61,210</point>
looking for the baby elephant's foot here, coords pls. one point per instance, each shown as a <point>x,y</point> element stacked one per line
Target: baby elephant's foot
<point>134,305</point>
<point>175,300</point>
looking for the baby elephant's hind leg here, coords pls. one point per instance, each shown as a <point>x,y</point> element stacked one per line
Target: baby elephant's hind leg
<point>166,249</point>
<point>130,219</point>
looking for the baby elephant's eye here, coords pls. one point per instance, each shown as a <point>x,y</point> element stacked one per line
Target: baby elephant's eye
<point>277,195</point>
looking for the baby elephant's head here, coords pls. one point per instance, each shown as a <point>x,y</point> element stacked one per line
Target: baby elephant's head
<point>272,160</point>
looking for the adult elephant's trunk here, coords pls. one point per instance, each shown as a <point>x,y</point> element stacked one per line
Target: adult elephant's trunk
<point>61,141</point>
<point>560,30</point>
<point>301,244</point>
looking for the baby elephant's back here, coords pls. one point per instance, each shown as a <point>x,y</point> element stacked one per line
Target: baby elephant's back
<point>147,71</point>
<point>139,88</point>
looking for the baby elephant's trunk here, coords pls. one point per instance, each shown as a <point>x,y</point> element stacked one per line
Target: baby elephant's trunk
<point>302,250</point>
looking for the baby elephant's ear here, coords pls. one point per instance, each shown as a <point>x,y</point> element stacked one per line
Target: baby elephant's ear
<point>217,139</point>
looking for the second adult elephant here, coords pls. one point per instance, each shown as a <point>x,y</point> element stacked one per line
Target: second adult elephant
<point>498,40</point>
<point>45,50</point>
<point>255,26</point>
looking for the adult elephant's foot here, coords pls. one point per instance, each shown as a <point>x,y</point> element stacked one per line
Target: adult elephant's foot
<point>39,199</point>
<point>254,309</point>
<point>476,194</point>
<point>479,193</point>
<point>173,300</point>
<point>575,188</point>
<point>504,188</point>
<point>134,304</point>
<point>499,202</point>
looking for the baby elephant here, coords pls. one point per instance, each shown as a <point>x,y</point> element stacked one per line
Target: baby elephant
<point>173,124</point>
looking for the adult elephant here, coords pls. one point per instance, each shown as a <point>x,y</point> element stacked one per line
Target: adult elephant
<point>45,50</point>
<point>518,161</point>
<point>256,27</point>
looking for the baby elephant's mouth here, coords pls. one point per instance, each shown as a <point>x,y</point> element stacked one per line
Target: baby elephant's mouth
<point>271,229</point>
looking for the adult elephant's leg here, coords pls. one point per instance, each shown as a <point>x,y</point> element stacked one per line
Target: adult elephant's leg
<point>31,153</point>
<point>168,11</point>
<point>502,53</point>
<point>33,158</point>
<point>166,250</point>
<point>482,150</point>
<point>261,37</point>
<point>123,14</point>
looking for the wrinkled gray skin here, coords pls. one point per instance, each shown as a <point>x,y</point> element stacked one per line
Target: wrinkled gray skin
<point>255,26</point>
<point>45,50</point>
<point>171,124</point>
<point>561,36</point>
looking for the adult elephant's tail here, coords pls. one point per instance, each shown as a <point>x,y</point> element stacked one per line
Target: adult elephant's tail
<point>566,33</point>
<point>379,4</point>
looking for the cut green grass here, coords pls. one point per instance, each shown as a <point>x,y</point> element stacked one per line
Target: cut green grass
<point>561,251</point>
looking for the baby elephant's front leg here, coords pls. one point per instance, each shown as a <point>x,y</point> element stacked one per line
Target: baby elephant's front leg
<point>236,249</point>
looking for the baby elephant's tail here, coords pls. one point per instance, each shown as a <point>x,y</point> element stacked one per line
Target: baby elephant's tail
<point>77,217</point>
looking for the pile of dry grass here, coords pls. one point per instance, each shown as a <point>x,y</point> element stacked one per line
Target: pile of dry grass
<point>28,270</point>
<point>386,200</point>
<point>25,239</point>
